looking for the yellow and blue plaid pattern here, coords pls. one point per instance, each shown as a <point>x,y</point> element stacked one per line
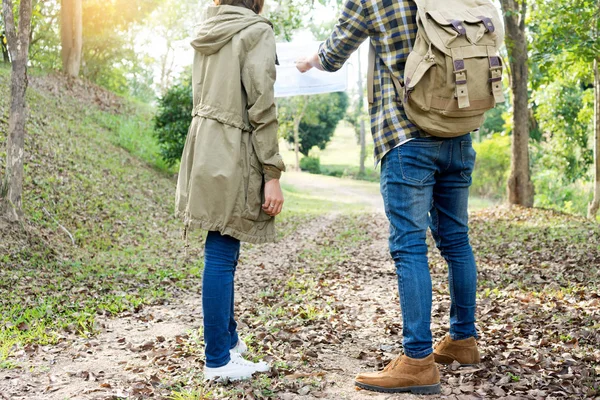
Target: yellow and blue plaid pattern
<point>392,27</point>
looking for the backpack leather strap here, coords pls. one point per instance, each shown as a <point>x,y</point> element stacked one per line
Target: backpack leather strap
<point>460,75</point>
<point>495,75</point>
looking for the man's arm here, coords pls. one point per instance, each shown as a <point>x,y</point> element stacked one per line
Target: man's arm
<point>348,34</point>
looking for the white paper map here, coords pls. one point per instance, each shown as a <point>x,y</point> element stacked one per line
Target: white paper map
<point>290,82</point>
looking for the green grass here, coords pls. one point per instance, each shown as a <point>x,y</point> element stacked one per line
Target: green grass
<point>135,133</point>
<point>301,207</point>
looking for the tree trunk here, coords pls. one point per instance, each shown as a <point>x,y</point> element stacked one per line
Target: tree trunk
<point>71,32</point>
<point>520,187</point>
<point>362,139</point>
<point>297,120</point>
<point>595,204</point>
<point>11,186</point>
<point>163,69</point>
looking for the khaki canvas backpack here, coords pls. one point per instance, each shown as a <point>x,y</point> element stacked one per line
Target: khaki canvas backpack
<point>453,74</point>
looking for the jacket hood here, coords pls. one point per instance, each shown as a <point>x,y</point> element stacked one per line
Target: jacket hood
<point>221,24</point>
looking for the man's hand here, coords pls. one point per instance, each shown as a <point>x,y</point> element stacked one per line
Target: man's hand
<point>305,64</point>
<point>273,198</point>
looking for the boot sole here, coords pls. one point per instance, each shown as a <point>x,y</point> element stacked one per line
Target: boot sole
<point>446,360</point>
<point>425,389</point>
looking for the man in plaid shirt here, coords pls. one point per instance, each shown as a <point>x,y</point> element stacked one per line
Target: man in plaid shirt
<point>425,184</point>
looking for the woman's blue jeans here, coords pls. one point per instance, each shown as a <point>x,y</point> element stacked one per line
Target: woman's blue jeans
<point>425,183</point>
<point>221,255</point>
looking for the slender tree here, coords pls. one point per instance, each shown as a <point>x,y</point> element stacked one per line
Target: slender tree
<point>71,34</point>
<point>301,107</point>
<point>11,185</point>
<point>520,187</point>
<point>595,204</point>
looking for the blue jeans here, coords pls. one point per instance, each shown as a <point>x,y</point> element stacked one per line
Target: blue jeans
<point>425,183</point>
<point>221,255</point>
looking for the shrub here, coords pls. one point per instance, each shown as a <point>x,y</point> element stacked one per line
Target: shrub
<point>172,121</point>
<point>492,167</point>
<point>553,191</point>
<point>311,164</point>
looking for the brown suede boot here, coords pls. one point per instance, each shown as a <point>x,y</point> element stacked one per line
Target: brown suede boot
<point>404,374</point>
<point>464,351</point>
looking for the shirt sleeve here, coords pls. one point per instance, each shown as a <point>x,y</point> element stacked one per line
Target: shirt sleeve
<point>258,78</point>
<point>350,31</point>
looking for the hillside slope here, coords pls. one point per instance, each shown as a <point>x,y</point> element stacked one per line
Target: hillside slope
<point>78,182</point>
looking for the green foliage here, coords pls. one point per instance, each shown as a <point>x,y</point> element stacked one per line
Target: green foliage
<point>311,164</point>
<point>565,115</point>
<point>323,30</point>
<point>555,192</point>
<point>494,120</point>
<point>492,167</point>
<point>322,115</point>
<point>172,120</point>
<point>109,58</point>
<point>566,26</point>
<point>288,16</point>
<point>45,47</point>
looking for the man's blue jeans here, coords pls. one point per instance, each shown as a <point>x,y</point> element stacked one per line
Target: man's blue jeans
<point>221,255</point>
<point>425,183</point>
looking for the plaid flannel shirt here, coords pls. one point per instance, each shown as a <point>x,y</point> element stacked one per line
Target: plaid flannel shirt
<point>391,25</point>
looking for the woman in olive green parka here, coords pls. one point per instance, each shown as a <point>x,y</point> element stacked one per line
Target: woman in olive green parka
<point>230,168</point>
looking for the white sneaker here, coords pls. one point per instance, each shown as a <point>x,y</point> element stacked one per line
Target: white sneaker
<point>237,369</point>
<point>240,348</point>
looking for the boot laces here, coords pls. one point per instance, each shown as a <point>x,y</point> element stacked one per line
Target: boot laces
<point>393,363</point>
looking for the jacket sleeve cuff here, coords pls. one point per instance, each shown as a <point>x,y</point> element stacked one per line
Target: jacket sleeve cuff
<point>271,172</point>
<point>327,66</point>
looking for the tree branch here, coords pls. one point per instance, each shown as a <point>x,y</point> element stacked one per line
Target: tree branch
<point>523,15</point>
<point>60,226</point>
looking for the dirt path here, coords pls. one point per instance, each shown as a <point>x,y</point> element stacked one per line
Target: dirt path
<point>146,353</point>
<point>345,191</point>
<point>322,305</point>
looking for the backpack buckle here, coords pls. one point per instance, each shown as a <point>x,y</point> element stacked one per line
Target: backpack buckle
<point>487,22</point>
<point>458,27</point>
<point>460,76</point>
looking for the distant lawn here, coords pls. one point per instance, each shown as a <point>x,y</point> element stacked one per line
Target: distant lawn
<point>341,157</point>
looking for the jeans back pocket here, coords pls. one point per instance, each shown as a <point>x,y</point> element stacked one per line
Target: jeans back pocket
<point>418,159</point>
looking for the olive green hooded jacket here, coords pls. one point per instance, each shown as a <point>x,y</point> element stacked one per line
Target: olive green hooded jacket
<point>231,148</point>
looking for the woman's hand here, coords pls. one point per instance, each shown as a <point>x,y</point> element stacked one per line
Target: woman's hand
<point>273,198</point>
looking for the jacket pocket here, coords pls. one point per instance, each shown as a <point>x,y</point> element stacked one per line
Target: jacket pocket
<point>255,194</point>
